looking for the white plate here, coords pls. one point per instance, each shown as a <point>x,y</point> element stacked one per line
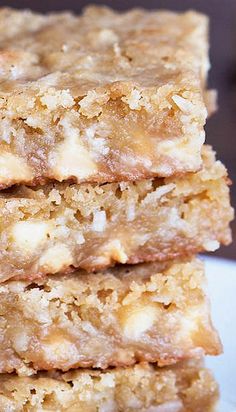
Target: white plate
<point>221,274</point>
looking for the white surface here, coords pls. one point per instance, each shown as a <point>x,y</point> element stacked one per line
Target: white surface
<point>221,276</point>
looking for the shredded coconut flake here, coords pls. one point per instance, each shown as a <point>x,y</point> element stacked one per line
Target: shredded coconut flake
<point>183,104</point>
<point>79,238</point>
<point>99,221</point>
<point>131,212</point>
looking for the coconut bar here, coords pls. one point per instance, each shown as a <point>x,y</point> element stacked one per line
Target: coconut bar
<point>155,312</point>
<point>60,227</point>
<point>187,387</point>
<point>101,97</point>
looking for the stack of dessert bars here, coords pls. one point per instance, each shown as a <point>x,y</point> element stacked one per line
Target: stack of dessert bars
<point>107,194</point>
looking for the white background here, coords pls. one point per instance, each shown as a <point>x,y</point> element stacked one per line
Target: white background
<point>221,274</point>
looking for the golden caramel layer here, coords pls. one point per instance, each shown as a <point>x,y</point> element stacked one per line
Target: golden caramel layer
<point>102,97</point>
<point>150,312</point>
<point>55,228</point>
<point>187,387</point>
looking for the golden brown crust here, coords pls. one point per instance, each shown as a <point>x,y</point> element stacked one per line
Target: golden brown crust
<point>56,228</point>
<point>151,312</point>
<point>187,387</point>
<point>102,97</point>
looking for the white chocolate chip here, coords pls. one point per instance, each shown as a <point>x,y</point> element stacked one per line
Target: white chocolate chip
<point>107,380</point>
<point>29,235</point>
<point>13,167</point>
<point>138,321</point>
<point>190,322</point>
<point>117,251</point>
<point>55,258</point>
<point>60,349</point>
<point>180,151</point>
<point>21,341</point>
<point>107,37</point>
<point>211,245</point>
<point>72,158</point>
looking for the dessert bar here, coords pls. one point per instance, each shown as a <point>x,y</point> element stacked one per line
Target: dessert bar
<point>149,312</point>
<point>187,387</point>
<point>59,227</point>
<point>102,97</point>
